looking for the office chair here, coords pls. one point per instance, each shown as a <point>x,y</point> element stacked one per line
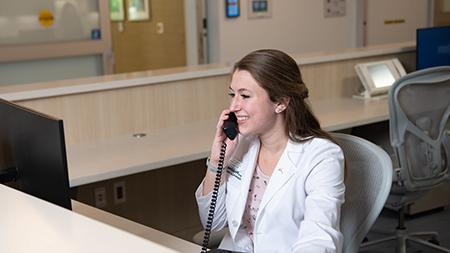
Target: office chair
<point>419,110</point>
<point>367,185</point>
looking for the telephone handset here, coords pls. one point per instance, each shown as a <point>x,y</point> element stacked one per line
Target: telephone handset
<point>230,126</point>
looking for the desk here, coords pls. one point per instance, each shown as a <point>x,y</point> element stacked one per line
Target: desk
<point>342,113</point>
<point>125,155</point>
<point>29,224</point>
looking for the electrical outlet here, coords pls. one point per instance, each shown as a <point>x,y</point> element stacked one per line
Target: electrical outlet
<point>119,192</point>
<point>100,197</point>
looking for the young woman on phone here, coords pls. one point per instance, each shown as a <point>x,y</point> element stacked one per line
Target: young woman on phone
<point>283,181</point>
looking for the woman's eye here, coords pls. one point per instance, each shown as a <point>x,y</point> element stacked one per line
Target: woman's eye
<point>231,95</point>
<point>244,96</point>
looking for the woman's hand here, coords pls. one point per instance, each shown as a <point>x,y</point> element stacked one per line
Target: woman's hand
<point>219,138</point>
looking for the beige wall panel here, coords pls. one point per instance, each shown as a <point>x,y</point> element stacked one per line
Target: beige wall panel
<point>122,111</point>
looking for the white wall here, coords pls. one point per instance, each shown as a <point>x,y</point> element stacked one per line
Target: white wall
<point>414,13</point>
<point>190,21</point>
<point>296,26</point>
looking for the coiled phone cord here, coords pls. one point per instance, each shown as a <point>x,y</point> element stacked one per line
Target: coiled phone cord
<point>215,192</point>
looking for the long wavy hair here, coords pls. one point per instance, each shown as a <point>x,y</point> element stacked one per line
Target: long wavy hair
<point>278,74</point>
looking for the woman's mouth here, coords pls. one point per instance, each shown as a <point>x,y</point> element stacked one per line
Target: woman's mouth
<point>241,119</point>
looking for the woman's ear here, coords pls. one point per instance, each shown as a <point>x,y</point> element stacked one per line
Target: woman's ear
<point>282,105</point>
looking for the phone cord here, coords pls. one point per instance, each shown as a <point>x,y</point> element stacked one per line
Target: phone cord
<point>215,192</point>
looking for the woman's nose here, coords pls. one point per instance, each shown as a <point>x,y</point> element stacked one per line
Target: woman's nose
<point>234,105</point>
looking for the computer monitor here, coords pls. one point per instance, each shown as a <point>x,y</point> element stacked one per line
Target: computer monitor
<point>433,47</point>
<point>33,154</point>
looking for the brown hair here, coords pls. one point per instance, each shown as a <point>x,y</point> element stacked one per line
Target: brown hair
<point>278,74</point>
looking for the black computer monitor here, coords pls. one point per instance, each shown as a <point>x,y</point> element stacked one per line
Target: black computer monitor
<point>33,154</point>
<point>433,47</point>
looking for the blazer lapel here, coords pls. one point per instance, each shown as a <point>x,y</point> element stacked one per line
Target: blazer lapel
<point>239,202</point>
<point>284,170</point>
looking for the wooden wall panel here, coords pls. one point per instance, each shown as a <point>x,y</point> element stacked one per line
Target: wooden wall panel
<point>162,199</point>
<point>110,113</point>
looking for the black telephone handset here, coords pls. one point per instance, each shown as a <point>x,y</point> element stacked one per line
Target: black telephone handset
<point>230,126</point>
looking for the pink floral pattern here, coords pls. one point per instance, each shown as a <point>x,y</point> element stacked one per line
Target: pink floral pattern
<point>255,195</point>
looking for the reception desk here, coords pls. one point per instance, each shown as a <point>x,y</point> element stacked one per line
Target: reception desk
<point>177,110</point>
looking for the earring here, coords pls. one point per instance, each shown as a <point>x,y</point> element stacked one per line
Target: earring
<point>279,109</point>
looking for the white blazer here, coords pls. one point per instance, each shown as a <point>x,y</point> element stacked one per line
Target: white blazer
<point>300,209</point>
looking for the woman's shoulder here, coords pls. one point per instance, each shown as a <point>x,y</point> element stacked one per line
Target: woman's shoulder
<point>319,145</point>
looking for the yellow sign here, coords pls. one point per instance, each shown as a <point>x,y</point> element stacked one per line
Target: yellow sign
<point>394,21</point>
<point>46,18</point>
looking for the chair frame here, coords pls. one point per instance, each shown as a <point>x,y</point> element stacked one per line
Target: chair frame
<point>402,236</point>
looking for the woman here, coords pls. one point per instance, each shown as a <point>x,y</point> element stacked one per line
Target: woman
<point>284,184</point>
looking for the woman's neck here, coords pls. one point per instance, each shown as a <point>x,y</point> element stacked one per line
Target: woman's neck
<point>272,146</point>
<point>276,139</point>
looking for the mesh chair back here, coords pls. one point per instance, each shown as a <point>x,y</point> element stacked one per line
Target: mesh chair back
<point>419,105</point>
<point>368,182</point>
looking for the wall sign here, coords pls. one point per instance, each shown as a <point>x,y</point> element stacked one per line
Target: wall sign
<point>334,8</point>
<point>259,8</point>
<point>138,10</point>
<point>46,18</point>
<point>116,12</point>
<point>232,8</point>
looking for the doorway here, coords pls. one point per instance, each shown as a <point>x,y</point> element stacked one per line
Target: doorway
<point>155,43</point>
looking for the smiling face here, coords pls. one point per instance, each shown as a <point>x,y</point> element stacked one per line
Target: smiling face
<point>252,106</point>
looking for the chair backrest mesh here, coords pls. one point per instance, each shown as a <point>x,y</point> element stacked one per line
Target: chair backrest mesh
<point>368,182</point>
<point>420,125</point>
